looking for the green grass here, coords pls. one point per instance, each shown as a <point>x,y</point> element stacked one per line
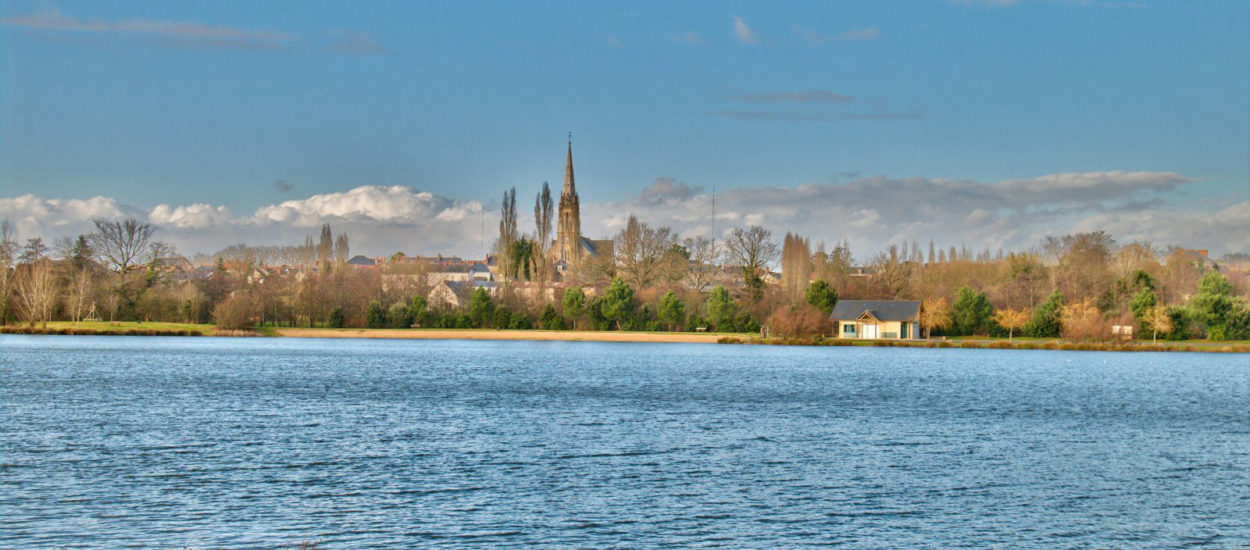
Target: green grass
<point>117,328</point>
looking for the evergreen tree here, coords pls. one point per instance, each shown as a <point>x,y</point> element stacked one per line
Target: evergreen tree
<point>574,304</point>
<point>480,308</point>
<point>335,320</point>
<point>672,312</point>
<point>1046,321</point>
<point>375,316</point>
<point>721,310</point>
<point>821,296</point>
<point>550,319</point>
<point>971,313</point>
<point>618,302</point>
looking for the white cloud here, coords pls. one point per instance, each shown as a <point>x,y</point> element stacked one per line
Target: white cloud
<point>869,212</point>
<point>194,216</point>
<point>181,32</point>
<point>743,32</point>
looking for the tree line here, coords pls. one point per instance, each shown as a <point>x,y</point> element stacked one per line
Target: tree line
<point>1075,286</point>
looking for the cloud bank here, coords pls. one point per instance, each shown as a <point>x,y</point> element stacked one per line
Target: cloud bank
<point>870,212</point>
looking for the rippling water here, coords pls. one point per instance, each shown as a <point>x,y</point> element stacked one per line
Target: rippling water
<point>263,443</point>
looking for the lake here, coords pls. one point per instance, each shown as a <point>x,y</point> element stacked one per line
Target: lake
<point>264,443</point>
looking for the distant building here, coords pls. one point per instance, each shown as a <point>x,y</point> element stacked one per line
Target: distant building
<point>570,247</point>
<point>877,319</point>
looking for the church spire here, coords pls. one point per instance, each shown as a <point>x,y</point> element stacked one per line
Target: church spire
<point>569,189</point>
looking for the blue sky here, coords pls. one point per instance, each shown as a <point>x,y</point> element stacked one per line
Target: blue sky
<point>233,108</point>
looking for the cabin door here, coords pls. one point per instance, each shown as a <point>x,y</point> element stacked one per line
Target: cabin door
<point>870,330</point>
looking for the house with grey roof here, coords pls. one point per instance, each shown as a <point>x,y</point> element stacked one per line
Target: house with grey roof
<point>877,319</point>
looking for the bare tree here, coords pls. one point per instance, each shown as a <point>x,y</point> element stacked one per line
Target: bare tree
<point>124,247</point>
<point>8,247</point>
<point>702,253</point>
<point>36,288</point>
<point>640,251</point>
<point>79,296</point>
<point>752,249</point>
<point>122,244</point>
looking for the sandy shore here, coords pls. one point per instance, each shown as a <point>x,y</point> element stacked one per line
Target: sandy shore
<point>482,334</point>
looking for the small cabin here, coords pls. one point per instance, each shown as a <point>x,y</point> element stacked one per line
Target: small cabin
<point>877,319</point>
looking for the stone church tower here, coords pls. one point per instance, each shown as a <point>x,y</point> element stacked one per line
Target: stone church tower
<point>569,226</point>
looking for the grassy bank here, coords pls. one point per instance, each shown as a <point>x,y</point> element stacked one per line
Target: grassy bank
<point>113,329</point>
<point>493,334</point>
<point>1019,343</point>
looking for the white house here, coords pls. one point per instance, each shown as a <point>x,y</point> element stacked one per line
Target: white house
<point>877,319</point>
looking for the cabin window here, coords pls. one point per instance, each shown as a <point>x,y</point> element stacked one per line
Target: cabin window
<point>848,329</point>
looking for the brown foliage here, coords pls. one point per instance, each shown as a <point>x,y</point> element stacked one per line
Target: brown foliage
<point>798,321</point>
<point>1082,321</point>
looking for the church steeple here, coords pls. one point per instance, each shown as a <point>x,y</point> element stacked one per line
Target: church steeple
<point>569,188</point>
<point>569,224</point>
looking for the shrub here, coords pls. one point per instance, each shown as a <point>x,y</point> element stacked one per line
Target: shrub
<point>235,312</point>
<point>798,321</point>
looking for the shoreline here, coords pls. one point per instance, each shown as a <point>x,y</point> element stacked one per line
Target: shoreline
<point>184,329</point>
<point>493,334</point>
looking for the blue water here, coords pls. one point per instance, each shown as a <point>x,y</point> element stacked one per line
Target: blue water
<point>264,443</point>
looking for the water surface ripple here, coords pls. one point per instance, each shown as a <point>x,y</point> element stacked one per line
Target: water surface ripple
<point>263,443</point>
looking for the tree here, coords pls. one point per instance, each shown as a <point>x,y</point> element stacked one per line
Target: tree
<point>1082,320</point>
<point>8,247</point>
<point>971,312</point>
<point>640,251</point>
<point>34,250</point>
<point>80,289</point>
<point>1142,303</point>
<point>399,315</point>
<point>935,314</point>
<point>671,312</point>
<point>618,302</point>
<point>1213,305</point>
<point>418,309</point>
<point>1012,320</point>
<point>574,304</point>
<point>701,252</point>
<point>821,296</point>
<point>721,309</point>
<point>752,250</point>
<point>341,249</point>
<point>325,248</point>
<point>507,230</point>
<point>1159,321</point>
<point>125,246</point>
<point>37,291</point>
<point>1047,318</point>
<point>481,308</point>
<point>544,209</point>
<point>550,319</point>
<point>237,312</point>
<point>80,254</point>
<point>122,244</point>
<point>796,266</point>
<point>335,319</point>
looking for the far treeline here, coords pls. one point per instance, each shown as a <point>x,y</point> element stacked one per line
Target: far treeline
<point>1077,286</point>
